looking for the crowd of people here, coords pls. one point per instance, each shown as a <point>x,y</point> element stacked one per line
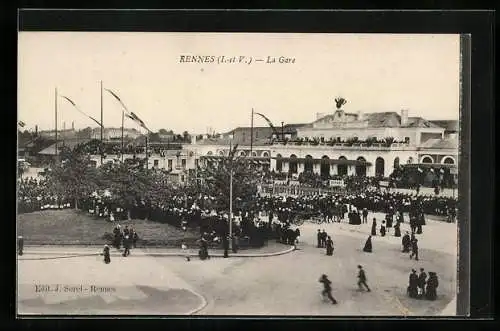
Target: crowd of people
<point>36,194</point>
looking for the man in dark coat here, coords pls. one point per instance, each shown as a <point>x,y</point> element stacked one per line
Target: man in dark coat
<point>422,277</point>
<point>126,245</point>
<point>413,284</point>
<point>135,237</point>
<point>329,246</point>
<point>319,236</point>
<point>324,235</point>
<point>362,279</point>
<point>382,229</point>
<point>406,242</point>
<point>374,227</point>
<point>327,289</point>
<point>414,249</point>
<point>368,245</point>
<point>365,215</point>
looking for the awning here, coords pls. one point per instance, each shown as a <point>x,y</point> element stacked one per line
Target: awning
<point>253,159</point>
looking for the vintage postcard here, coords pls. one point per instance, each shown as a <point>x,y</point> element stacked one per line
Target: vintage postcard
<point>237,174</point>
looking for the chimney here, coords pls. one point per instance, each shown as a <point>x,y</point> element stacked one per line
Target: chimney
<point>36,130</point>
<point>73,125</point>
<point>404,117</point>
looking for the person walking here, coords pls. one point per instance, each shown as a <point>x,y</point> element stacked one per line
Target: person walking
<point>324,236</point>
<point>126,246</point>
<point>319,236</point>
<point>327,288</point>
<point>362,279</point>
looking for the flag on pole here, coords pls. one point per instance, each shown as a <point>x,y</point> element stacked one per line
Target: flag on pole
<point>76,107</point>
<point>128,113</point>
<point>268,122</point>
<point>21,124</point>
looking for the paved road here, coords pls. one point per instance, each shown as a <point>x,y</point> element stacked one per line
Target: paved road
<point>280,285</point>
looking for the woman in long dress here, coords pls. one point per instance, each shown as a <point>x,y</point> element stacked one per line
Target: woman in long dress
<point>368,245</point>
<point>374,227</point>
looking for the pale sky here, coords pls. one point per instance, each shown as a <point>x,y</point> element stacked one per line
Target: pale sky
<point>374,72</point>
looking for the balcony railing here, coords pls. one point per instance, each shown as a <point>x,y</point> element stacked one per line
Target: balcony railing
<point>360,145</point>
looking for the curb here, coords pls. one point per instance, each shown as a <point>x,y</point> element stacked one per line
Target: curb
<point>203,304</point>
<point>142,254</point>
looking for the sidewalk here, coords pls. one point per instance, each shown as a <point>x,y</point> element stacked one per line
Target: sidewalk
<point>35,252</point>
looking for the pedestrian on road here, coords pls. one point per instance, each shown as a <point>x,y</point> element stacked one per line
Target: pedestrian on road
<point>421,283</point>
<point>135,237</point>
<point>412,289</point>
<point>185,252</point>
<point>432,284</point>
<point>327,289</point>
<point>329,246</point>
<point>126,246</point>
<point>105,252</point>
<point>368,245</point>
<point>414,249</point>
<point>319,236</point>
<point>397,229</point>
<point>365,215</point>
<point>406,242</point>
<point>382,229</point>
<point>362,279</point>
<point>374,227</point>
<point>324,236</point>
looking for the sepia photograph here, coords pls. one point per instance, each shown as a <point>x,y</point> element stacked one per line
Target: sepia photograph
<point>238,174</point>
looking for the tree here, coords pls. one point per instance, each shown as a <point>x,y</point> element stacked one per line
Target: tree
<point>75,176</point>
<point>245,180</point>
<point>127,182</point>
<point>185,136</point>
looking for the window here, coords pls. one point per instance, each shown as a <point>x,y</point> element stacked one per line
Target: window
<point>183,162</point>
<point>407,140</point>
<point>169,165</point>
<point>256,133</point>
<point>156,163</point>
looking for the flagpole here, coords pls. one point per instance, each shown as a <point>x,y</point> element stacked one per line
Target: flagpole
<point>56,120</point>
<point>123,119</point>
<point>102,127</point>
<point>251,134</point>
